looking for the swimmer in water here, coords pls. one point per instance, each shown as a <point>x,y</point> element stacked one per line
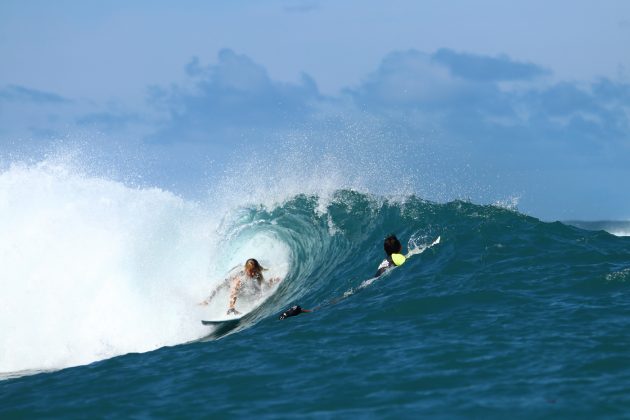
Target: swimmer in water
<point>251,275</point>
<point>393,249</point>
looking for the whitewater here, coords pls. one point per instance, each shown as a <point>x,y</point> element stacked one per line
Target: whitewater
<point>94,269</point>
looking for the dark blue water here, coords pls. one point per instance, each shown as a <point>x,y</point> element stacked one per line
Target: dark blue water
<point>507,316</point>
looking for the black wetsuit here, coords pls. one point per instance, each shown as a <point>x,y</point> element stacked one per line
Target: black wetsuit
<point>292,311</point>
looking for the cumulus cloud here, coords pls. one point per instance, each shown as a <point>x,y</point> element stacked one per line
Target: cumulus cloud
<point>487,69</point>
<point>234,92</point>
<point>466,91</point>
<point>461,93</point>
<point>415,81</point>
<point>31,113</point>
<point>599,111</point>
<point>28,113</point>
<point>16,93</point>
<point>405,79</point>
<point>453,108</point>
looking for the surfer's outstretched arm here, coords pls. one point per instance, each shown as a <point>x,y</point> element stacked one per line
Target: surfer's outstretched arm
<point>213,294</point>
<point>209,298</point>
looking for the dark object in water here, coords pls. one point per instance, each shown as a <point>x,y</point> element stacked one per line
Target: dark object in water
<point>292,311</point>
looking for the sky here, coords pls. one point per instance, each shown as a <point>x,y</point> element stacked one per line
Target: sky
<point>525,101</point>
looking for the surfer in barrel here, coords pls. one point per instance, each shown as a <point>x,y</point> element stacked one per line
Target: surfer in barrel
<point>249,280</point>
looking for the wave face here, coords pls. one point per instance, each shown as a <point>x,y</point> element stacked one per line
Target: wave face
<point>506,312</point>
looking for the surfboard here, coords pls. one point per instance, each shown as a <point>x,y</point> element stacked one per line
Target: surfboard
<point>222,327</point>
<point>219,322</point>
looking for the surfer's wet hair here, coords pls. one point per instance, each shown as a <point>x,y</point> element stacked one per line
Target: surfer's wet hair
<point>392,245</point>
<point>253,264</point>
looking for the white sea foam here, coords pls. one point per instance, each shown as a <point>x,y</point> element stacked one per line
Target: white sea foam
<point>92,268</point>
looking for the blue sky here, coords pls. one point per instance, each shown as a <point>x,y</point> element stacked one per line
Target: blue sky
<point>484,100</point>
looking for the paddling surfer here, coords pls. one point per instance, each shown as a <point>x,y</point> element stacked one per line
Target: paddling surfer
<point>395,258</point>
<point>393,249</point>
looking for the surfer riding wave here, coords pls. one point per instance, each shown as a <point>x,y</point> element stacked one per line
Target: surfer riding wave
<point>248,282</point>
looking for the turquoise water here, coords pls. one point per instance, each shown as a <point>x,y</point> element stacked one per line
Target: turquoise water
<point>507,316</point>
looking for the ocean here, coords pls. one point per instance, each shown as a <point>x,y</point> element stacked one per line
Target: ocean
<point>508,316</point>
